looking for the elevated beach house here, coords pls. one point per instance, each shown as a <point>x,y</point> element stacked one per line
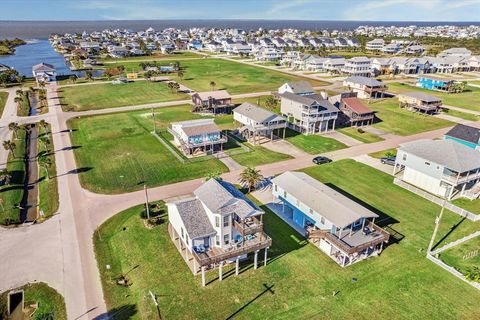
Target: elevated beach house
<point>420,102</point>
<point>217,225</point>
<point>44,72</point>
<point>339,226</point>
<point>444,168</point>
<point>467,135</point>
<point>365,87</point>
<point>216,102</point>
<point>197,137</point>
<point>356,111</point>
<point>438,84</point>
<point>257,122</point>
<point>301,88</point>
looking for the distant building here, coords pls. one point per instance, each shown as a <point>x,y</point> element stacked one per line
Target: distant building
<point>420,102</point>
<point>300,88</point>
<point>357,66</point>
<point>213,101</point>
<point>44,72</point>
<point>375,44</point>
<point>365,87</point>
<point>455,52</point>
<point>438,84</point>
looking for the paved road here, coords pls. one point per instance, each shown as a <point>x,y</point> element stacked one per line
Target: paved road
<point>62,254</point>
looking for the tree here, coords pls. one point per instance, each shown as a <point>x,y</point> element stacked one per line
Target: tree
<point>11,146</point>
<point>88,75</point>
<point>13,126</point>
<point>46,143</point>
<point>43,124</point>
<point>176,87</point>
<point>213,175</point>
<point>180,74</point>
<point>73,78</point>
<point>5,176</point>
<point>270,102</point>
<point>213,84</point>
<point>17,100</point>
<point>45,162</point>
<point>19,92</point>
<point>250,177</point>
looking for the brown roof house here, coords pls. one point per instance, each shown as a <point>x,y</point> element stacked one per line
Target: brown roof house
<point>357,112</point>
<point>420,102</point>
<point>215,102</point>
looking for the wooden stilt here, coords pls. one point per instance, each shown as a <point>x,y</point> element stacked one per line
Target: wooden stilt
<point>265,257</point>
<point>203,276</point>
<point>237,266</point>
<point>220,271</point>
<point>255,260</point>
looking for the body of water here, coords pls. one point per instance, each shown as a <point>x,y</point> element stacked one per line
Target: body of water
<point>42,29</point>
<point>35,52</point>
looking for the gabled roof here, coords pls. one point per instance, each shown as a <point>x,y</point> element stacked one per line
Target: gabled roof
<point>218,94</point>
<point>327,202</point>
<point>257,113</point>
<point>448,153</point>
<point>370,82</point>
<point>309,100</point>
<point>194,218</point>
<point>300,87</point>
<point>43,67</point>
<point>356,105</point>
<point>465,133</point>
<point>198,127</point>
<point>421,96</point>
<point>222,197</point>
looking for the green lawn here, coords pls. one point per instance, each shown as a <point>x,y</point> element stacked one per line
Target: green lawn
<point>400,284</point>
<point>461,258</point>
<point>462,115</point>
<point>108,95</point>
<point>470,205</point>
<point>235,77</point>
<point>3,101</point>
<point>117,152</point>
<point>470,99</point>
<point>23,109</point>
<point>50,303</point>
<point>12,193</point>
<point>48,188</point>
<point>313,144</point>
<point>260,100</point>
<point>156,56</point>
<point>402,122</point>
<point>383,153</point>
<point>365,137</point>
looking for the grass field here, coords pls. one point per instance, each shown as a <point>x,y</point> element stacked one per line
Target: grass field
<point>402,122</point>
<point>108,95</point>
<point>260,100</point>
<point>50,303</point>
<point>462,115</point>
<point>23,108</point>
<point>470,205</point>
<point>470,99</point>
<point>313,144</point>
<point>12,193</point>
<point>3,101</point>
<point>400,284</point>
<point>461,258</point>
<point>365,137</point>
<point>156,56</point>
<point>383,153</point>
<point>48,188</point>
<point>117,152</point>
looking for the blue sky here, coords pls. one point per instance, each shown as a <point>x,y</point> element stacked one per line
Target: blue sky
<point>381,10</point>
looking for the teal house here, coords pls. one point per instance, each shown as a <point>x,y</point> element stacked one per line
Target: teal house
<point>467,135</point>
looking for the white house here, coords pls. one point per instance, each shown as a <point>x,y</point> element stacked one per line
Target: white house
<point>218,224</point>
<point>375,44</point>
<point>337,225</point>
<point>365,87</point>
<point>301,88</point>
<point>357,66</point>
<point>44,72</point>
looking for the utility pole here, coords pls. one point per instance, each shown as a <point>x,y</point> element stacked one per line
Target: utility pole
<point>154,298</point>
<point>154,124</point>
<point>437,224</point>
<point>146,201</point>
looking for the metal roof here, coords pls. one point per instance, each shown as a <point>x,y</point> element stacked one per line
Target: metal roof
<point>311,99</point>
<point>257,113</point>
<point>421,96</point>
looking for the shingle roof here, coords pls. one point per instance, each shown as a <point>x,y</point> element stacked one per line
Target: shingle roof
<point>300,87</point>
<point>327,202</point>
<point>194,218</point>
<point>464,132</point>
<point>257,113</point>
<point>198,127</point>
<point>448,153</point>
<point>43,67</point>
<point>421,96</point>
<point>356,105</point>
<point>310,99</point>
<point>222,197</point>
<point>218,94</point>
<point>365,81</point>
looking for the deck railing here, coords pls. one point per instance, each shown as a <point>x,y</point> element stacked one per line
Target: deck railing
<point>256,226</point>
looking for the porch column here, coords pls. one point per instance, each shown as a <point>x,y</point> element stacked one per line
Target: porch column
<point>237,266</point>
<point>265,258</point>
<point>381,247</point>
<point>344,259</point>
<point>351,229</point>
<point>340,233</point>
<point>333,125</point>
<point>194,266</point>
<point>451,193</point>
<point>363,223</point>
<point>203,276</point>
<point>255,260</point>
<point>284,129</point>
<point>271,135</point>
<point>220,271</point>
<point>463,188</point>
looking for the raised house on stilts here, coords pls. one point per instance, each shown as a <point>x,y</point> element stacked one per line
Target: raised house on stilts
<point>214,102</point>
<point>357,113</point>
<point>420,102</point>
<point>366,88</point>
<point>218,225</point>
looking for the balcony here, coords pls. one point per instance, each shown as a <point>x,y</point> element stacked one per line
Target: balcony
<point>462,178</point>
<point>249,226</point>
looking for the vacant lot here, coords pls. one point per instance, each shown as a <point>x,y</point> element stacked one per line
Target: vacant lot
<point>360,135</point>
<point>469,99</point>
<point>400,284</point>
<point>50,302</point>
<point>156,56</point>
<point>3,101</point>
<point>391,118</point>
<point>313,144</point>
<point>108,95</point>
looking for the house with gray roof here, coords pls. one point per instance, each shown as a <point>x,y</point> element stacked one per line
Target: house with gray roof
<point>337,225</point>
<point>257,122</point>
<point>44,72</point>
<point>308,114</point>
<point>365,87</point>
<point>466,135</point>
<point>444,168</point>
<point>215,226</point>
<point>420,102</point>
<point>300,88</point>
<point>357,66</point>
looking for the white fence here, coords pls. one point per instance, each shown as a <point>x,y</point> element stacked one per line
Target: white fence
<point>457,242</point>
<point>460,211</point>
<point>452,270</point>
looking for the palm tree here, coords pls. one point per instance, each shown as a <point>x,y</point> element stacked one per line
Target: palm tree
<point>213,175</point>
<point>270,102</point>
<point>45,162</point>
<point>13,126</point>
<point>180,74</point>
<point>46,143</point>
<point>176,86</point>
<point>5,176</point>
<point>213,84</point>
<point>19,92</point>
<point>17,100</point>
<point>250,177</point>
<point>9,145</point>
<point>73,78</point>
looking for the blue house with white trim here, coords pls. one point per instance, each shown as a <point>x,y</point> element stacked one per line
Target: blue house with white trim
<point>435,83</point>
<point>467,135</point>
<point>339,226</point>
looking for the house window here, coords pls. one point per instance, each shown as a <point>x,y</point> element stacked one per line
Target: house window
<point>275,188</point>
<point>181,231</point>
<point>226,238</point>
<point>217,240</point>
<point>186,238</point>
<point>217,221</point>
<point>404,157</point>
<point>427,163</point>
<point>285,194</point>
<point>226,219</point>
<point>311,211</point>
<point>322,220</point>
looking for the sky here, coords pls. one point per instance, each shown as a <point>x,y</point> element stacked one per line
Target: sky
<point>362,10</point>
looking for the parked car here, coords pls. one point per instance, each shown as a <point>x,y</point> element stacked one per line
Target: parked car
<point>388,160</point>
<point>120,81</point>
<point>321,160</point>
